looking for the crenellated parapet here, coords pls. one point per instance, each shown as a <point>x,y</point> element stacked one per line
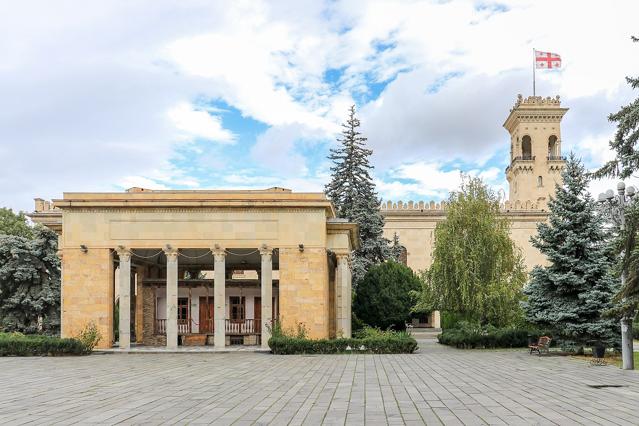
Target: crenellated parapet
<point>413,205</point>
<point>537,101</point>
<point>416,206</point>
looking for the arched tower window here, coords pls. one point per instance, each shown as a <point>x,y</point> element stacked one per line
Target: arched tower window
<point>552,147</point>
<point>540,181</point>
<point>526,148</point>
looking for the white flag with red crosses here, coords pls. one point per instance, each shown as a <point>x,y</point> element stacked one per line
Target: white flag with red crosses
<point>547,60</point>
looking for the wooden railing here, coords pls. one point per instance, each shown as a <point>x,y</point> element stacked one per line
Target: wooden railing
<point>184,326</point>
<point>242,327</point>
<point>233,327</point>
<point>160,326</point>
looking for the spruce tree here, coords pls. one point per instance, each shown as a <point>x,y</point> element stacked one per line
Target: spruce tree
<point>30,282</point>
<point>352,191</point>
<point>626,161</point>
<point>571,294</point>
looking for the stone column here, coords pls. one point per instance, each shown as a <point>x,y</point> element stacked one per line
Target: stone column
<point>267,293</point>
<point>171,298</point>
<point>343,288</point>
<point>435,319</point>
<point>339,305</point>
<point>139,305</point>
<point>348,294</point>
<point>219,294</point>
<point>124,290</point>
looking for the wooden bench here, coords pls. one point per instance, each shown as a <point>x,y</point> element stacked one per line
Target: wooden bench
<point>543,345</point>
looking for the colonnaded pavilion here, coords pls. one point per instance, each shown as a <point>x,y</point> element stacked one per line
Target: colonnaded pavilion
<point>201,267</point>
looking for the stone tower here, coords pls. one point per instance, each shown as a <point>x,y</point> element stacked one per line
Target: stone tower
<point>536,162</point>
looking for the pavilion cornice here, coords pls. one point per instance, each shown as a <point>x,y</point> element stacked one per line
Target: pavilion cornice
<point>155,203</point>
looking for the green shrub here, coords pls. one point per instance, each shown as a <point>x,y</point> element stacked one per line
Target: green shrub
<point>386,295</point>
<point>89,337</point>
<point>16,344</point>
<point>470,336</point>
<point>368,340</point>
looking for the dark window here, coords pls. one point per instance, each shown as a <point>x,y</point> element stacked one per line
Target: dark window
<point>238,308</point>
<point>526,148</point>
<point>552,146</point>
<point>183,308</point>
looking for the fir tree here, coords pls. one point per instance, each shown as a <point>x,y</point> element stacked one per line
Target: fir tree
<point>353,193</point>
<point>570,295</point>
<point>626,161</point>
<point>30,282</point>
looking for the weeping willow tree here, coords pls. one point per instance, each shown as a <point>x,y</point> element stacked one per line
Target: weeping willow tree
<point>477,271</point>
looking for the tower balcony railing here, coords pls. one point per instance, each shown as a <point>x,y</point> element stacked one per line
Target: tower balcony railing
<point>524,158</point>
<point>520,158</point>
<point>556,158</point>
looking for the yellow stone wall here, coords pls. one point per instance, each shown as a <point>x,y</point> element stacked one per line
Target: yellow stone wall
<point>416,232</point>
<point>304,290</point>
<point>194,227</point>
<point>87,292</point>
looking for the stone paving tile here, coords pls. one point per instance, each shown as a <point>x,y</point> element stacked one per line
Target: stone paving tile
<point>438,385</point>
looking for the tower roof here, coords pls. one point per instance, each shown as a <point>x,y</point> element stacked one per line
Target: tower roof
<point>534,109</point>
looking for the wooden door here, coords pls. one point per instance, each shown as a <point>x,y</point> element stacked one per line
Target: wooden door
<point>206,322</point>
<point>257,314</point>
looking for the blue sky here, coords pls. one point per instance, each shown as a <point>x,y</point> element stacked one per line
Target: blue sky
<point>250,94</point>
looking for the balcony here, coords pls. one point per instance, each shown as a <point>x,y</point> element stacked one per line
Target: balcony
<point>520,158</point>
<point>556,158</point>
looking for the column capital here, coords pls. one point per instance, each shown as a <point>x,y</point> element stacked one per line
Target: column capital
<point>266,251</point>
<point>171,253</point>
<point>218,251</point>
<point>342,255</point>
<point>123,253</point>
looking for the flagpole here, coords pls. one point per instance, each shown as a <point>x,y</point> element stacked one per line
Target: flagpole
<point>534,65</point>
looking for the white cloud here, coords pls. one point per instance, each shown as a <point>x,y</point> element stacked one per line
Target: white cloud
<point>199,124</point>
<point>100,93</point>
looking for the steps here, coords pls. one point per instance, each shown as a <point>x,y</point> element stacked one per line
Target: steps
<point>425,333</point>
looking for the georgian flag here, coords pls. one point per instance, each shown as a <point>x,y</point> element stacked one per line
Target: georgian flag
<point>547,60</point>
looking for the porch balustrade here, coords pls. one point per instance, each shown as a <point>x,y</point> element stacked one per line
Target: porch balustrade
<point>184,326</point>
<point>233,327</point>
<point>242,327</point>
<point>160,326</point>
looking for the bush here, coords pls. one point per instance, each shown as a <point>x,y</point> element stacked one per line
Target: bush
<point>471,336</point>
<point>17,344</point>
<point>386,295</point>
<point>89,337</point>
<point>368,340</point>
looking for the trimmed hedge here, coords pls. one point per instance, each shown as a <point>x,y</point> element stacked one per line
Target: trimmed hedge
<point>287,345</point>
<point>16,344</point>
<point>470,338</point>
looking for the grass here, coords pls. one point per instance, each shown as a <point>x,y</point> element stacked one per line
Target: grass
<point>611,358</point>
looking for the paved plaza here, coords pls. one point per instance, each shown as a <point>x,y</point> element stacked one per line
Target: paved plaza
<point>437,385</point>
